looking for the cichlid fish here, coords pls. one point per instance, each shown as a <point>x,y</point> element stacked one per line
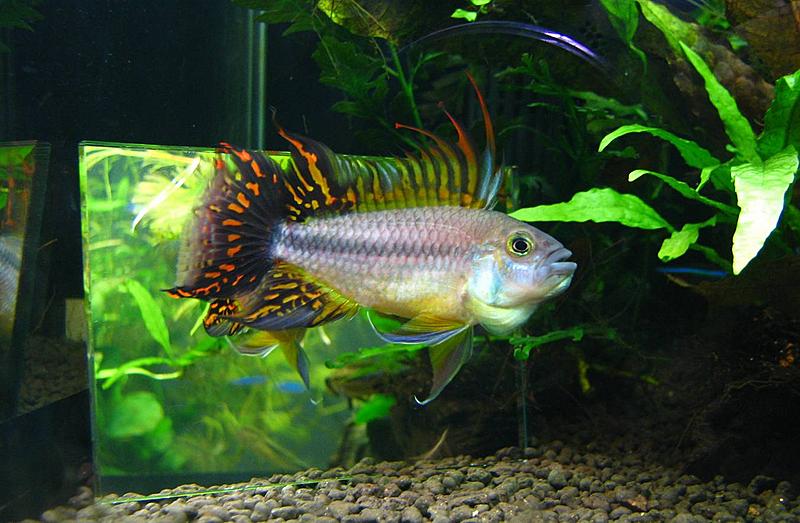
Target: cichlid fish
<point>282,250</point>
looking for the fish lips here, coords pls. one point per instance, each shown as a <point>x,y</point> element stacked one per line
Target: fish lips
<point>558,272</point>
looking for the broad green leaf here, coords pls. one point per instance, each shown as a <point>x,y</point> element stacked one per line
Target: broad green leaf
<point>692,154</point>
<point>782,121</point>
<point>760,189</point>
<point>679,242</point>
<point>151,314</point>
<point>623,16</point>
<point>378,406</point>
<point>683,188</point>
<point>136,414</point>
<point>597,205</point>
<point>469,16</point>
<point>736,125</point>
<point>673,28</point>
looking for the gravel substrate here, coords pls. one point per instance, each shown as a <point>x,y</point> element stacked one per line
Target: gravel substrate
<point>53,369</point>
<point>549,482</point>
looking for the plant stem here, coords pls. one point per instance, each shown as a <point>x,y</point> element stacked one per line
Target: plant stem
<point>406,84</point>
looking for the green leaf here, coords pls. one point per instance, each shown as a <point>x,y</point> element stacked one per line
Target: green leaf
<point>597,205</point>
<point>151,314</point>
<point>692,154</point>
<point>673,28</point>
<point>378,406</point>
<point>760,189</point>
<point>469,16</point>
<point>683,188</point>
<point>679,242</point>
<point>782,120</point>
<point>136,414</point>
<point>736,125</point>
<point>623,16</point>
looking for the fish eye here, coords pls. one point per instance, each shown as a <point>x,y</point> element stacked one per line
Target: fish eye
<point>519,245</point>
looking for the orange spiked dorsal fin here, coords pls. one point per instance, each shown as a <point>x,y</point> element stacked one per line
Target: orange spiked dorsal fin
<point>439,173</point>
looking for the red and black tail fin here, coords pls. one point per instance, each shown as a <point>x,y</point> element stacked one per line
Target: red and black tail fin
<point>226,249</point>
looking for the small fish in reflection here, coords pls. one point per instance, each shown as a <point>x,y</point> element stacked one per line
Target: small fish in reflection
<point>287,386</point>
<point>280,250</point>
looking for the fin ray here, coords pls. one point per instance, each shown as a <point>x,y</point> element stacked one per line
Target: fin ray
<point>447,358</point>
<point>227,245</point>
<point>439,173</point>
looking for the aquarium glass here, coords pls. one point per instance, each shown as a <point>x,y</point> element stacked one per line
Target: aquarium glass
<point>170,402</point>
<point>23,167</point>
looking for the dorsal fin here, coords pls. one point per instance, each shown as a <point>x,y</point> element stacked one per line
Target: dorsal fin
<point>439,173</point>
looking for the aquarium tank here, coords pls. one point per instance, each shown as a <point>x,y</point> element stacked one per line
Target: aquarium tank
<point>476,260</point>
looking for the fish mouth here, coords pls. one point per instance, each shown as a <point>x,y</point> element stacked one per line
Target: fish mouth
<point>555,263</point>
<point>559,272</point>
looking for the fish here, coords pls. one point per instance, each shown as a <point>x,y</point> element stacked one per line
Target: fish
<point>280,250</point>
<point>10,261</point>
<point>286,386</point>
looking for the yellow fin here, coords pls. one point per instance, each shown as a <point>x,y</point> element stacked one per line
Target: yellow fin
<point>262,343</point>
<point>438,173</point>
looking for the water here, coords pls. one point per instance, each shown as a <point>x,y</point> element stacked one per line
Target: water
<point>172,402</point>
<point>676,344</point>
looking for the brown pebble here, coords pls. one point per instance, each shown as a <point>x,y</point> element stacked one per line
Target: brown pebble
<point>340,509</point>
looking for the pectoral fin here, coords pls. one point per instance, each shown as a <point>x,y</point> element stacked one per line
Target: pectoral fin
<point>424,328</point>
<point>447,357</point>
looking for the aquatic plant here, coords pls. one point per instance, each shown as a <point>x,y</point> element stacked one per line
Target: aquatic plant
<point>477,7</point>
<point>158,378</point>
<point>756,179</point>
<point>18,14</point>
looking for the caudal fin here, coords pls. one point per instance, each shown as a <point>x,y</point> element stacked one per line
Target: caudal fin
<point>226,249</point>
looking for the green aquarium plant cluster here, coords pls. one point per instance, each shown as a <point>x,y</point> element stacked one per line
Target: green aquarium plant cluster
<point>169,399</point>
<point>750,189</point>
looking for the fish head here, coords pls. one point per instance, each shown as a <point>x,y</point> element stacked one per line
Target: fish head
<point>515,268</point>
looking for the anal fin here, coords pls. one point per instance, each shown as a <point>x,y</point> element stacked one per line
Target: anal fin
<point>447,357</point>
<point>450,346</point>
<point>287,298</point>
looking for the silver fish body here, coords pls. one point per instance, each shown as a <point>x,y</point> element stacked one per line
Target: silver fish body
<point>452,263</point>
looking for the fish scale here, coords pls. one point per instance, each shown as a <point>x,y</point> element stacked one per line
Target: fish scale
<point>391,260</point>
